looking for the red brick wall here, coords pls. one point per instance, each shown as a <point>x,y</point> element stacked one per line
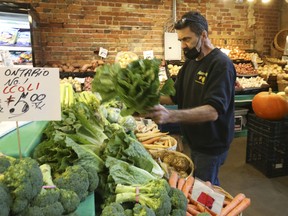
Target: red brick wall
<point>71,31</point>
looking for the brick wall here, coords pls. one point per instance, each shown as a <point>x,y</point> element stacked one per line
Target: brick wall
<point>72,29</point>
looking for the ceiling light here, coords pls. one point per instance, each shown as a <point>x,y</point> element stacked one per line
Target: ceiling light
<point>265,1</point>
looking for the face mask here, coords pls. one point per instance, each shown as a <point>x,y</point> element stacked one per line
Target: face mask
<point>192,53</point>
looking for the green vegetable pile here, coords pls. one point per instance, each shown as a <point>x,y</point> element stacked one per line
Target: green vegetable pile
<point>137,85</point>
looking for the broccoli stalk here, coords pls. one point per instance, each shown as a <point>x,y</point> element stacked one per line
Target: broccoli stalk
<point>154,195</point>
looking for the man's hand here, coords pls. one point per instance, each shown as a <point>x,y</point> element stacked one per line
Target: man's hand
<point>159,114</point>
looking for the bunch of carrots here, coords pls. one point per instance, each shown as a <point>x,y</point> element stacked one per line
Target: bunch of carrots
<point>155,139</point>
<point>230,208</point>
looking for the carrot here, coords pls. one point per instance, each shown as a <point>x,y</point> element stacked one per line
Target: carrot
<point>200,207</point>
<point>188,214</point>
<point>152,140</point>
<point>240,208</point>
<point>192,210</point>
<point>173,179</point>
<point>190,200</point>
<point>181,182</point>
<point>188,185</point>
<point>236,200</point>
<point>226,202</point>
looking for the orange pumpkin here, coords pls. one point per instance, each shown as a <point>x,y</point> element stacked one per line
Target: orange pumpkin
<point>270,106</point>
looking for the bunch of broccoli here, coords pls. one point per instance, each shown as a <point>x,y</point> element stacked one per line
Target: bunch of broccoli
<point>24,181</point>
<point>154,195</point>
<point>52,201</point>
<point>116,209</point>
<point>178,202</point>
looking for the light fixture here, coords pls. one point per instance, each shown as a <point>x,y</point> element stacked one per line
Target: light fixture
<point>253,0</point>
<point>265,1</point>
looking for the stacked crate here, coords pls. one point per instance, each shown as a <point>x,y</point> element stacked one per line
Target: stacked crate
<point>267,145</point>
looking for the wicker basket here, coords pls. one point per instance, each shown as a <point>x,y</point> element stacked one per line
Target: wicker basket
<point>280,40</point>
<point>274,52</point>
<point>159,154</point>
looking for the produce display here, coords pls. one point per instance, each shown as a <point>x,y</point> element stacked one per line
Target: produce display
<point>75,83</point>
<point>88,84</point>
<point>173,69</point>
<point>238,54</point>
<point>76,67</point>
<point>244,69</point>
<point>95,149</point>
<point>125,58</point>
<point>244,83</point>
<point>271,60</point>
<point>173,162</point>
<point>269,70</point>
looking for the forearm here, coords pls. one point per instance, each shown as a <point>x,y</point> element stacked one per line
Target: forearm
<point>166,100</point>
<point>196,115</point>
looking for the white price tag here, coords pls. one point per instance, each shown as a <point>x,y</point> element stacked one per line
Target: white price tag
<point>149,54</point>
<point>103,52</point>
<point>81,80</point>
<point>207,197</point>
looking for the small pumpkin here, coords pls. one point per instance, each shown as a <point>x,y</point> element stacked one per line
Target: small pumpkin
<point>270,106</point>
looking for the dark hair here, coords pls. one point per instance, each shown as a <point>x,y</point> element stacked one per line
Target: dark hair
<point>194,20</point>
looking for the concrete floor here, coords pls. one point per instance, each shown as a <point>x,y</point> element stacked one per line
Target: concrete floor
<point>269,196</point>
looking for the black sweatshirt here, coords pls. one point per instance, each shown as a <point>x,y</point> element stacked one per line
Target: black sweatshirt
<point>208,81</point>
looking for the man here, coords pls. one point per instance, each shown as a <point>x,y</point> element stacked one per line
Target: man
<point>205,98</point>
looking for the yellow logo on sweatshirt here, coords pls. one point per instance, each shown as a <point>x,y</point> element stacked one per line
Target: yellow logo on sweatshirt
<point>201,77</point>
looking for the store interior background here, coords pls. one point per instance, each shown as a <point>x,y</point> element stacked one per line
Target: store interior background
<point>72,30</point>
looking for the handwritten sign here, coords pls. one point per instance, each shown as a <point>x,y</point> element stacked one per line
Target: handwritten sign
<point>31,94</point>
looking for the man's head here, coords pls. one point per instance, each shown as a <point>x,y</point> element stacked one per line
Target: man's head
<point>192,30</point>
<point>195,21</point>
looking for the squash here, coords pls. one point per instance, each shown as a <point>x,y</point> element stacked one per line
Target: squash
<point>270,106</point>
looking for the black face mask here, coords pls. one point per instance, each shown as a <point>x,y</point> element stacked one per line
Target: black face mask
<point>192,53</point>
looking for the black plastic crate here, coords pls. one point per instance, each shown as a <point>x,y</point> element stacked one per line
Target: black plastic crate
<point>269,155</point>
<point>267,128</point>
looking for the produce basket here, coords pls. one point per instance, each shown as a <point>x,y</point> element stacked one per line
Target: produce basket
<point>280,40</point>
<point>173,161</point>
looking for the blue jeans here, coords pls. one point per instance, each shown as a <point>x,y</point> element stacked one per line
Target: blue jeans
<point>207,166</point>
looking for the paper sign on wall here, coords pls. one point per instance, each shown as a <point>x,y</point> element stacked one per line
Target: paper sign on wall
<point>29,94</point>
<point>103,52</point>
<point>149,54</point>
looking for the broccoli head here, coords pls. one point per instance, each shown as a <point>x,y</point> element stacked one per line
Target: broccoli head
<point>92,176</point>
<point>178,212</point>
<point>69,200</point>
<point>154,195</point>
<point>178,199</point>
<point>24,181</point>
<point>5,200</point>
<point>75,178</point>
<point>128,212</point>
<point>141,210</point>
<point>114,209</point>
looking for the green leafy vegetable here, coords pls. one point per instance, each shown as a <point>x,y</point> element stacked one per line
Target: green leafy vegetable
<point>137,85</point>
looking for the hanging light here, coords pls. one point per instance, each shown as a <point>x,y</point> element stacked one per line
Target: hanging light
<point>265,1</point>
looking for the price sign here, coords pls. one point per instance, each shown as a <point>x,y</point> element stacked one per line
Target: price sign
<point>103,52</point>
<point>29,94</point>
<point>149,54</point>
